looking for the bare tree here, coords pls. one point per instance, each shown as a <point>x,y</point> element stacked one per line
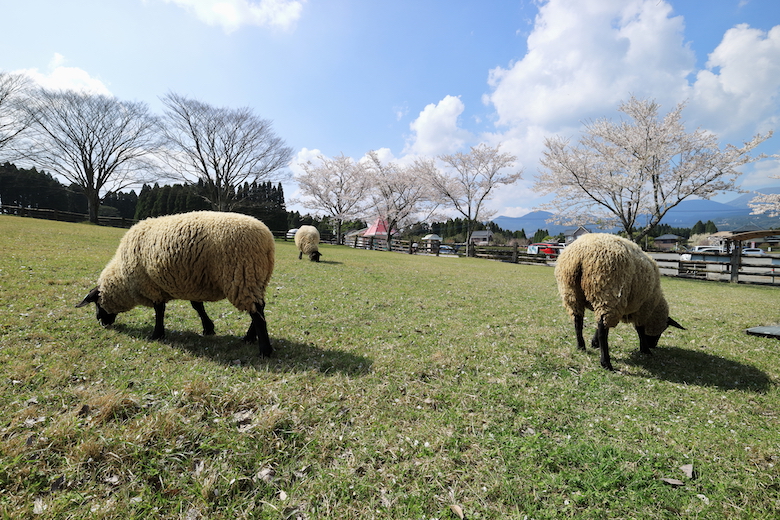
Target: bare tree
<point>337,186</point>
<point>95,141</point>
<point>468,181</point>
<point>632,173</point>
<point>13,118</point>
<point>222,147</point>
<point>397,193</point>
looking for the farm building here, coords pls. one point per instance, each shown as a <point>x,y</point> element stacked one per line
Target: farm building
<point>667,242</point>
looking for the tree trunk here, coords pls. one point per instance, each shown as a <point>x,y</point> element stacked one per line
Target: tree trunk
<point>93,202</point>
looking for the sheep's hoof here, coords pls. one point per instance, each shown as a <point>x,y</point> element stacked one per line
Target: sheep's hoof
<point>608,366</point>
<point>157,335</point>
<point>209,332</point>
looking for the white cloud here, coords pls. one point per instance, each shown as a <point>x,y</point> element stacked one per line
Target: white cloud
<point>764,173</point>
<point>436,129</point>
<point>741,84</point>
<point>585,56</point>
<point>232,14</point>
<point>60,77</point>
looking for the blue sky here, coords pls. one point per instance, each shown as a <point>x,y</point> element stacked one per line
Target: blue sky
<point>420,77</point>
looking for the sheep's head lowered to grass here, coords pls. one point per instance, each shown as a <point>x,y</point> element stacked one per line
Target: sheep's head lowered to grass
<point>199,256</point>
<point>307,240</point>
<point>105,318</point>
<point>618,281</point>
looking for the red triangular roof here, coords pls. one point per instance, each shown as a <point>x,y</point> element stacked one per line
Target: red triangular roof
<point>378,228</point>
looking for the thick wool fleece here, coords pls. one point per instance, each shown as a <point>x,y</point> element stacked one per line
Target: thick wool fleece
<point>614,278</point>
<point>198,256</point>
<point>306,239</point>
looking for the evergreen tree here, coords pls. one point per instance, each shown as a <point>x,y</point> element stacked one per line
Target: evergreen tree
<point>540,235</point>
<point>698,228</point>
<point>710,228</point>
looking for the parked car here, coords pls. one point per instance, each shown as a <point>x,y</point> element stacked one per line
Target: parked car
<point>291,232</point>
<point>753,251</point>
<point>686,257</point>
<point>543,248</point>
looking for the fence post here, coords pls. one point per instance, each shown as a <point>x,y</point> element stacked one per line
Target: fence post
<point>736,252</point>
<point>514,253</point>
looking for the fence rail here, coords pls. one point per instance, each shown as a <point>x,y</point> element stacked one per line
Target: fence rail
<point>63,216</point>
<point>512,254</point>
<point>764,270</point>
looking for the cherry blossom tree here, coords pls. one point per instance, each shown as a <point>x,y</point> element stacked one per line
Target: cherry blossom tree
<point>631,173</point>
<point>397,193</point>
<point>337,186</point>
<point>468,181</point>
<point>766,202</point>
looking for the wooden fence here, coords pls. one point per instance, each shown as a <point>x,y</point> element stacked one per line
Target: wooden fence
<point>764,270</point>
<point>513,254</point>
<point>64,216</point>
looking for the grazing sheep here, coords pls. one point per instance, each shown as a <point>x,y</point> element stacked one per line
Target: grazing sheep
<point>306,240</point>
<point>618,281</point>
<point>199,256</point>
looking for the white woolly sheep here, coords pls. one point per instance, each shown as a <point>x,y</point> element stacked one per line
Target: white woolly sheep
<point>306,240</point>
<point>618,281</point>
<point>199,256</point>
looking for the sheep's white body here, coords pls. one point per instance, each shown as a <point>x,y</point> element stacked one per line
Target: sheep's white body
<point>307,240</point>
<point>618,281</point>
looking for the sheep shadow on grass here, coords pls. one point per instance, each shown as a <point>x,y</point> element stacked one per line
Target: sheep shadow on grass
<point>693,367</point>
<point>230,350</point>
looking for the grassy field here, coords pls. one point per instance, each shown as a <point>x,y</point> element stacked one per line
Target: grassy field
<point>402,387</point>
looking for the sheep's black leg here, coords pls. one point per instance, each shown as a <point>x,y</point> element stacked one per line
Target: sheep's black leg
<point>208,325</point>
<point>603,334</point>
<point>300,255</point>
<point>159,321</point>
<point>594,342</point>
<point>258,330</point>
<point>578,323</point>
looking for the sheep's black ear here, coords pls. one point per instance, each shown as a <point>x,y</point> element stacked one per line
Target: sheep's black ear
<point>672,323</point>
<point>92,297</point>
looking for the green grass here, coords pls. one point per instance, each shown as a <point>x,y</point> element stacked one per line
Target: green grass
<point>402,385</point>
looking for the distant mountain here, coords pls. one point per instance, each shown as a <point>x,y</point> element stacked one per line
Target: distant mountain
<point>688,212</point>
<point>530,222</point>
<point>743,200</point>
<point>726,216</point>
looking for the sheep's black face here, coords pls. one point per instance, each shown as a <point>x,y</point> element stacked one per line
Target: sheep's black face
<point>646,341</point>
<point>105,318</point>
<point>315,256</point>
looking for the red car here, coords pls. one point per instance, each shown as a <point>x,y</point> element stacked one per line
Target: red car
<point>541,248</point>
